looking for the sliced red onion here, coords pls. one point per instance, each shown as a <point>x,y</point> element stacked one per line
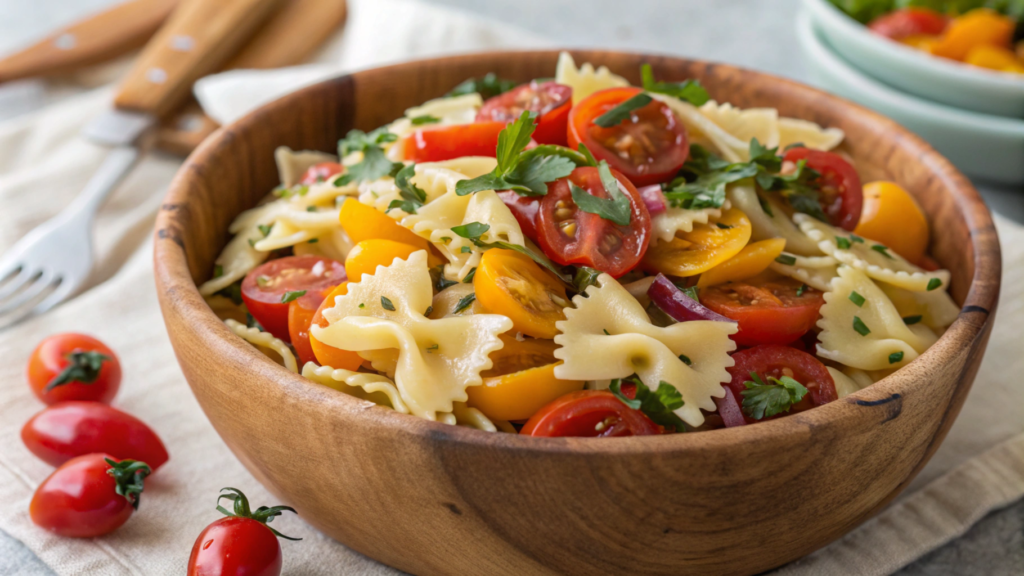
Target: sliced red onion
<point>678,305</point>
<point>730,410</point>
<point>653,198</point>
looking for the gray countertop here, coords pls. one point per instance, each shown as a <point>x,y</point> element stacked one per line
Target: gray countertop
<point>752,33</point>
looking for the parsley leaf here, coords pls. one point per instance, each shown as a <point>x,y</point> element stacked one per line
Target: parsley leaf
<point>911,320</point>
<point>465,302</point>
<point>707,178</point>
<point>616,208</point>
<point>761,400</point>
<point>786,259</point>
<point>374,164</point>
<point>413,196</point>
<point>896,357</point>
<point>425,119</point>
<point>488,86</point>
<point>658,405</point>
<point>474,230</point>
<point>934,283</point>
<point>882,250</point>
<point>386,303</point>
<point>618,114</point>
<point>690,91</point>
<point>292,295</point>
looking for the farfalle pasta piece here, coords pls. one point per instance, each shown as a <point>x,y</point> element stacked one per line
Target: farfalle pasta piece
<point>240,255</point>
<point>293,226</point>
<point>873,258</point>
<point>745,123</point>
<point>437,359</point>
<point>585,80</point>
<point>467,416</point>
<point>844,384</point>
<point>935,309</point>
<point>797,131</point>
<point>703,130</point>
<point>265,342</point>
<point>773,223</point>
<point>665,225</point>
<point>815,271</point>
<point>447,110</point>
<point>861,328</point>
<point>373,387</point>
<point>608,335</point>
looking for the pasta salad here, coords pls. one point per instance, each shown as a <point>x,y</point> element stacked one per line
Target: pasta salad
<point>577,256</point>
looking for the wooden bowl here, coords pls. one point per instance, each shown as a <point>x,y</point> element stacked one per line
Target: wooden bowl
<point>435,499</point>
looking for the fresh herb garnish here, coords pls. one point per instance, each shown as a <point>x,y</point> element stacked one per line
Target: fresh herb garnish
<point>659,405</point>
<point>761,400</point>
<point>690,291</point>
<point>616,208</point>
<point>313,241</point>
<point>264,229</point>
<point>488,86</point>
<point>786,259</point>
<point>896,357</point>
<point>527,173</point>
<point>857,299</point>
<point>425,119</point>
<point>251,322</point>
<point>584,278</point>
<point>911,320</point>
<point>857,239</point>
<point>934,283</point>
<point>431,348</point>
<point>83,367</point>
<point>686,359</point>
<point>842,243</point>
<point>723,226</point>
<point>374,164</point>
<point>690,91</point>
<point>465,250</point>
<point>469,277</point>
<point>618,114</point>
<point>860,326</point>
<point>474,230</point>
<point>800,291</point>
<point>385,303</point>
<point>465,302</point>
<point>413,196</point>
<point>292,295</point>
<point>882,250</point>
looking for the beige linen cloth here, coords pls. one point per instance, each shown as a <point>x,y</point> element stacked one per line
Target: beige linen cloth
<point>43,164</point>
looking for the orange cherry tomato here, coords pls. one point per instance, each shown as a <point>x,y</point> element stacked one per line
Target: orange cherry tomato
<point>701,249</point>
<point>362,222</point>
<point>329,355</point>
<point>437,143</point>
<point>648,147</point>
<point>550,100</point>
<point>300,317</point>
<point>321,172</point>
<point>589,413</point>
<point>366,256</point>
<point>73,367</point>
<point>893,218</point>
<point>511,284</point>
<point>980,27</point>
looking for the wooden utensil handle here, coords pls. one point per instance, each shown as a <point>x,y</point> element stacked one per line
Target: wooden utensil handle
<point>101,37</point>
<point>197,39</point>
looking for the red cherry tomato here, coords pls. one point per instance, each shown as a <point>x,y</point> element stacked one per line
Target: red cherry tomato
<point>649,147</point>
<point>73,367</point>
<point>239,545</point>
<point>437,143</point>
<point>768,312</point>
<point>589,413</point>
<point>69,429</point>
<point>906,22</point>
<point>776,362</point>
<point>569,235</point>
<point>525,209</point>
<point>550,100</point>
<point>321,172</point>
<point>80,498</point>
<point>842,196</point>
<point>264,288</point>
<point>300,318</point>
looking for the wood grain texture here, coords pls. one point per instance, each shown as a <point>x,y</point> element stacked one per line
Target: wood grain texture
<point>293,32</point>
<point>197,39</point>
<point>434,499</point>
<point>95,39</point>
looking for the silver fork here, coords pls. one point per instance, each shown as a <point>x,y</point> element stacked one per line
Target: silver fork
<point>54,260</point>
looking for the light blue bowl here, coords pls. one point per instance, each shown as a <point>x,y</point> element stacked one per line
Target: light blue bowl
<point>916,72</point>
<point>986,147</point>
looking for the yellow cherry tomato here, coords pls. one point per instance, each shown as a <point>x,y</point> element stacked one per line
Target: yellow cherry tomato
<point>751,261</point>
<point>329,355</point>
<point>521,382</point>
<point>703,248</point>
<point>368,254</point>
<point>362,222</point>
<point>891,216</point>
<point>515,286</point>
<point>981,27</point>
<point>993,58</point>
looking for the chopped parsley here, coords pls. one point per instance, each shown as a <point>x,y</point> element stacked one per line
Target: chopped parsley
<point>857,299</point>
<point>584,278</point>
<point>310,208</point>
<point>465,302</point>
<point>911,320</point>
<point>488,86</point>
<point>292,295</point>
<point>842,243</point>
<point>800,291</point>
<point>882,250</point>
<point>934,283</point>
<point>616,208</point>
<point>385,303</point>
<point>723,226</point>
<point>860,326</point>
<point>690,91</point>
<point>857,239</point>
<point>786,259</point>
<point>605,330</point>
<point>465,250</point>
<point>374,164</point>
<point>469,277</point>
<point>313,241</point>
<point>413,196</point>
<point>761,400</point>
<point>896,357</point>
<point>686,359</point>
<point>430,310</point>
<point>618,114</point>
<point>432,348</point>
<point>362,305</point>
<point>218,271</point>
<point>264,229</point>
<point>659,405</point>
<point>425,119</point>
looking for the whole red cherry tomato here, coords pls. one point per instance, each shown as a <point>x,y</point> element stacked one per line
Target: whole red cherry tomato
<point>69,429</point>
<point>589,413</point>
<point>550,100</point>
<point>842,196</point>
<point>266,289</point>
<point>776,311</point>
<point>88,496</point>
<point>770,362</point>
<point>649,146</point>
<point>73,367</point>
<point>241,544</point>
<point>907,22</point>
<point>321,172</point>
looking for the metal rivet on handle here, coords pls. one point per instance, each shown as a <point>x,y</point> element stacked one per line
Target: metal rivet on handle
<point>156,75</point>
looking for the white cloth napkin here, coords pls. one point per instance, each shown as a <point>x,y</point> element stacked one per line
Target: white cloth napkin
<point>43,164</point>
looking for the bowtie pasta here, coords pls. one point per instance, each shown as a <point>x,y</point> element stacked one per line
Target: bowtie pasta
<point>583,257</point>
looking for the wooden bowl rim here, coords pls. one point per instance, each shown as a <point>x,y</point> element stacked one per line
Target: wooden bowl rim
<point>172,274</point>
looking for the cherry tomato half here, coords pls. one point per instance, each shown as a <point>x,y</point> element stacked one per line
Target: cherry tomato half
<point>892,217</point>
<point>569,235</point>
<point>589,413</point>
<point>239,545</point>
<point>437,143</point>
<point>321,172</point>
<point>907,22</point>
<point>525,209</point>
<point>266,286</point>
<point>300,317</point>
<point>513,285</point>
<point>841,192</point>
<point>73,367</point>
<point>550,100</point>
<point>776,362</point>
<point>329,355</point>
<point>80,499</point>
<point>648,147</point>
<point>69,429</point>
<point>768,312</point>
